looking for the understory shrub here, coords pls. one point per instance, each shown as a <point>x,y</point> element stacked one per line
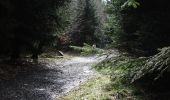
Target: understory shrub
<point>87,49</point>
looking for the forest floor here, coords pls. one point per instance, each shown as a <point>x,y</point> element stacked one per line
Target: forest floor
<point>49,79</point>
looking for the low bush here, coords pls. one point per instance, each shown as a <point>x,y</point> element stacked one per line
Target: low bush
<point>87,49</point>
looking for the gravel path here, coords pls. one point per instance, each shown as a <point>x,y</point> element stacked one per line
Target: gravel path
<point>48,80</point>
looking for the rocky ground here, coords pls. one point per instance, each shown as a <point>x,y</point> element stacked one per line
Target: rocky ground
<point>49,79</point>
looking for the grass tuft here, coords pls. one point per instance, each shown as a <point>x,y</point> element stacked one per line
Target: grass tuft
<point>91,90</point>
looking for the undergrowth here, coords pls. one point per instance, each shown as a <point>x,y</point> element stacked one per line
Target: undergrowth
<point>86,49</point>
<point>91,90</point>
<point>122,69</point>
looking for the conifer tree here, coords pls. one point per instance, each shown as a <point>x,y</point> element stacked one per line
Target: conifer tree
<point>87,25</point>
<point>29,25</point>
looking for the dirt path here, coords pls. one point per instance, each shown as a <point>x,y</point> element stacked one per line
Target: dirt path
<point>48,80</point>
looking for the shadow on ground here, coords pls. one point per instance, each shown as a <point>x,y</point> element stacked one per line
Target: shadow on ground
<point>35,84</point>
<point>45,81</point>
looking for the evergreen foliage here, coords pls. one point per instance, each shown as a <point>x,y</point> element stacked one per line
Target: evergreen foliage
<point>157,66</point>
<point>122,69</point>
<point>139,30</point>
<point>29,25</point>
<point>139,27</point>
<point>88,23</point>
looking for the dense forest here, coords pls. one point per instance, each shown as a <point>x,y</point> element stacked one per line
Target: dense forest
<point>137,29</point>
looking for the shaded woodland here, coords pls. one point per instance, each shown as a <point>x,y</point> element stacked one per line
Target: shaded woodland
<point>141,28</point>
<point>138,28</point>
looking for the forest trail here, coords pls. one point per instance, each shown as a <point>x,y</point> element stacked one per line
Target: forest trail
<point>49,79</point>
